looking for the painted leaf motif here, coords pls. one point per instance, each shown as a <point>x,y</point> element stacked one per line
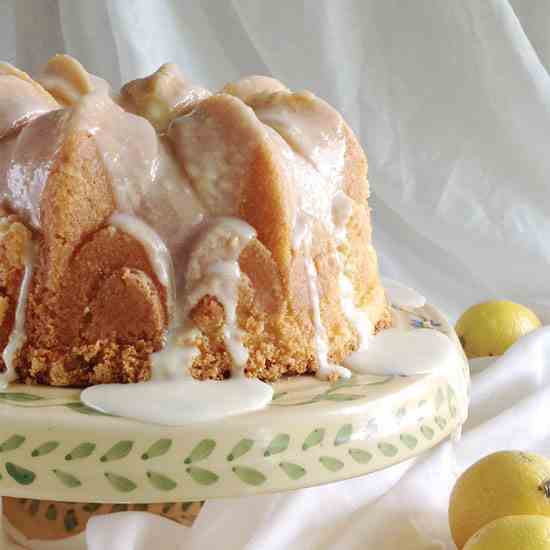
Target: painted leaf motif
<point>360,456</point>
<point>331,463</point>
<point>441,422</point>
<point>342,383</point>
<point>119,507</point>
<point>70,520</point>
<point>45,448</point>
<point>81,451</point>
<point>382,382</point>
<point>343,397</point>
<point>79,407</point>
<point>91,507</point>
<point>249,475</point>
<point>202,476</point>
<point>67,479</point>
<point>20,397</point>
<point>401,412</point>
<point>33,508</point>
<point>20,474</point>
<point>161,482</point>
<point>167,507</point>
<point>51,512</point>
<point>278,395</point>
<point>241,448</point>
<point>141,507</point>
<point>344,435</point>
<point>293,471</point>
<point>118,451</point>
<point>278,444</point>
<point>159,448</point>
<point>12,443</point>
<point>427,432</point>
<point>314,438</point>
<point>408,440</point>
<point>120,483</point>
<point>201,451</point>
<point>387,449</point>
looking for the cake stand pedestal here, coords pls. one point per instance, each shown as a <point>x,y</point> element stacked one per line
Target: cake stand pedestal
<point>61,462</point>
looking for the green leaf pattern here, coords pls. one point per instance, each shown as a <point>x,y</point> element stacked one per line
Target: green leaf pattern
<point>118,451</point>
<point>201,451</point>
<point>344,435</point>
<point>279,444</point>
<point>45,448</point>
<point>202,476</point>
<point>240,449</point>
<point>314,438</point>
<point>69,480</point>
<point>250,476</point>
<point>12,443</point>
<point>83,450</point>
<point>158,448</point>
<point>161,482</point>
<point>120,483</point>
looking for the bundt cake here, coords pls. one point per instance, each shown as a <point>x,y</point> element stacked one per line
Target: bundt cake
<point>165,230</point>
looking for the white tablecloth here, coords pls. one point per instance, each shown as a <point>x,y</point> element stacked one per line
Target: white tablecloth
<point>452,101</point>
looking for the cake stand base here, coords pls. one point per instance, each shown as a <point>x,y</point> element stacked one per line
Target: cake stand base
<point>44,524</point>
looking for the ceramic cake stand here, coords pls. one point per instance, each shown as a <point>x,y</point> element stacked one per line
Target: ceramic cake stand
<point>59,460</point>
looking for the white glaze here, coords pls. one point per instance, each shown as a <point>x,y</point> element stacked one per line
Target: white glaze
<point>162,96</point>
<point>176,357</point>
<point>404,352</point>
<point>303,239</point>
<point>213,270</point>
<point>342,209</point>
<point>249,87</point>
<point>21,101</point>
<point>155,248</point>
<point>76,542</point>
<point>27,164</point>
<point>179,402</point>
<point>310,126</point>
<point>358,318</point>
<point>18,335</point>
<point>403,296</point>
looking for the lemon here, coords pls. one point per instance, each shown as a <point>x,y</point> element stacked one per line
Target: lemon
<point>506,483</point>
<point>492,327</point>
<point>513,533</point>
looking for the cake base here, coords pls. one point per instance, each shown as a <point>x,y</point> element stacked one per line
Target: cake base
<point>48,524</point>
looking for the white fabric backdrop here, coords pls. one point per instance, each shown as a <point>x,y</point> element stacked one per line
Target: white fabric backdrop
<point>452,102</point>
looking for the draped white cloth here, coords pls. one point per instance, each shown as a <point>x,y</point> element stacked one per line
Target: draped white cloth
<point>452,102</point>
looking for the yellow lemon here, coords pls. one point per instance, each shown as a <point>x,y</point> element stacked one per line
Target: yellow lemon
<point>513,533</point>
<point>492,327</point>
<point>506,483</point>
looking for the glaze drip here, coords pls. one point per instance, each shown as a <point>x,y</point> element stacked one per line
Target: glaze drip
<point>18,336</point>
<point>326,369</point>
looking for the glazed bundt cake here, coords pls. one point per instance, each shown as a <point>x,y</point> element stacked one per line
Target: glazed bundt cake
<point>166,230</point>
